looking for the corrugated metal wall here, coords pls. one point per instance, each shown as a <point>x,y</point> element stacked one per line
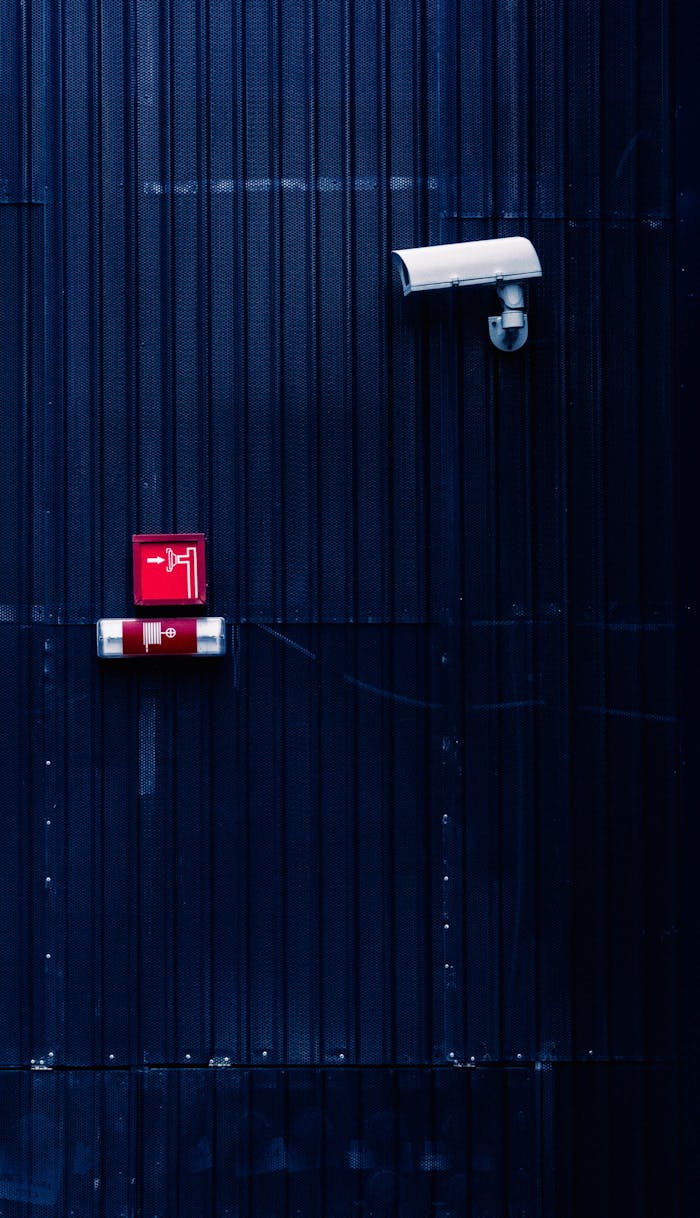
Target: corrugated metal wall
<point>381,913</point>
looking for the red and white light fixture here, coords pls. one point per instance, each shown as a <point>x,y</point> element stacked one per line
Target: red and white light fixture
<point>122,638</point>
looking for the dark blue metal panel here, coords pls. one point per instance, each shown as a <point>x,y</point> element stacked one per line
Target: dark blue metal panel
<point>326,1142</point>
<point>688,583</point>
<point>280,206</point>
<point>247,870</point>
<point>426,811</point>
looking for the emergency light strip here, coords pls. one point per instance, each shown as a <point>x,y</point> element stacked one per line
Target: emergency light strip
<point>125,638</point>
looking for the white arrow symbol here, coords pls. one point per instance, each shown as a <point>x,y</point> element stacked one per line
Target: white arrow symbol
<point>157,560</point>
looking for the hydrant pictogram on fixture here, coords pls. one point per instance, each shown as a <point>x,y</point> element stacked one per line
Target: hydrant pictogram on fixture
<point>169,569</point>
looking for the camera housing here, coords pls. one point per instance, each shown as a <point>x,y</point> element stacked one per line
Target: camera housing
<point>504,262</point>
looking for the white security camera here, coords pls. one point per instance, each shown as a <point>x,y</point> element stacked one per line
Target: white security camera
<point>504,262</point>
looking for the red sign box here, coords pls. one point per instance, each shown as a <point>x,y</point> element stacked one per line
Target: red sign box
<point>169,569</point>
<point>170,636</point>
